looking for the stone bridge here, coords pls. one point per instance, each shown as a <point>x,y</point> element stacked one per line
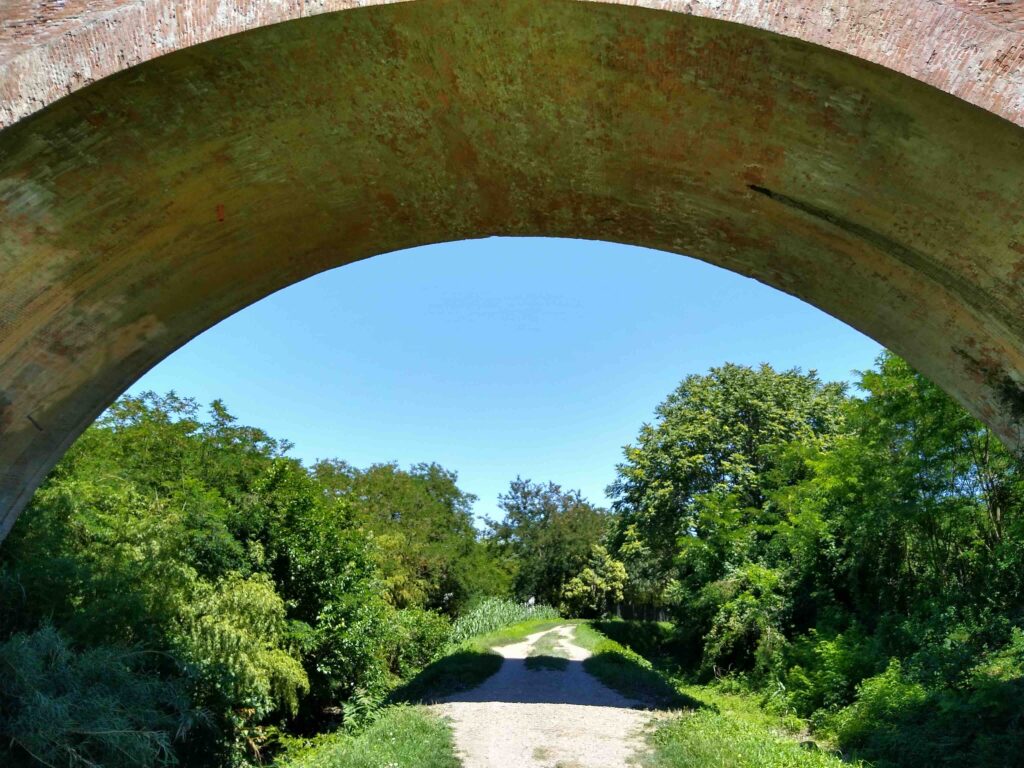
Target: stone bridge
<point>164,163</point>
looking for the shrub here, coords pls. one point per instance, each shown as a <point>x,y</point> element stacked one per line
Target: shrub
<point>897,721</point>
<point>59,706</point>
<point>827,671</point>
<point>417,637</point>
<point>881,702</point>
<point>745,631</point>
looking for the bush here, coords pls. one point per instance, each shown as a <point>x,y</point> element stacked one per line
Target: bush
<point>881,700</point>
<point>417,638</point>
<point>86,708</point>
<point>827,671</point>
<point>897,721</point>
<point>746,630</point>
<point>495,613</point>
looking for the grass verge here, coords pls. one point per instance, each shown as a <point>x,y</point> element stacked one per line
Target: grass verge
<point>728,726</point>
<point>705,738</point>
<point>627,672</point>
<point>401,737</point>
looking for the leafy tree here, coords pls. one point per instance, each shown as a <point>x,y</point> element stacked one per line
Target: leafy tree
<point>241,577</point>
<point>427,549</point>
<point>692,497</point>
<point>548,535</point>
<point>597,588</point>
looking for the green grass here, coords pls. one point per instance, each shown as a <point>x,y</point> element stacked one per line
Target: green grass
<point>547,653</point>
<point>467,665</point>
<point>627,672</point>
<point>402,737</point>
<point>726,727</point>
<point>706,739</point>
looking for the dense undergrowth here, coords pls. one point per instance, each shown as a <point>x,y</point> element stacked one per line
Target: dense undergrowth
<point>181,592</point>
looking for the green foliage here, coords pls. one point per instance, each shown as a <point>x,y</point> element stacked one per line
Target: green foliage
<point>426,547</point>
<point>231,635</point>
<point>897,720</point>
<point>265,591</point>
<point>705,738</point>
<point>418,637</point>
<point>401,737</point>
<point>746,627</point>
<point>99,706</point>
<point>361,710</point>
<point>858,560</point>
<point>694,484</point>
<point>493,614</point>
<point>825,672</point>
<point>547,535</point>
<point>595,589</point>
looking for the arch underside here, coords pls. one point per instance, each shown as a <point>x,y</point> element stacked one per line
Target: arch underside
<point>141,210</point>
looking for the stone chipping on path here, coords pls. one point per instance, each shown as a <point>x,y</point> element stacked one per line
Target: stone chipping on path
<point>547,718</point>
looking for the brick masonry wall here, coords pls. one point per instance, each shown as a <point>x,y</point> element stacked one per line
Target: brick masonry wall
<point>973,49</point>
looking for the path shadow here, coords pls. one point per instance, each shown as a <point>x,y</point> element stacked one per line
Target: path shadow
<point>599,681</point>
<point>456,672</point>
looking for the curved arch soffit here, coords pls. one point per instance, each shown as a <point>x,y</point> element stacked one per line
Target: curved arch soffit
<point>142,209</point>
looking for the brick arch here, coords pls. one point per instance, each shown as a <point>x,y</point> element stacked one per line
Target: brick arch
<point>158,172</point>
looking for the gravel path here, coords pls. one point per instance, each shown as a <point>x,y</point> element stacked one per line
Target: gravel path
<point>522,718</point>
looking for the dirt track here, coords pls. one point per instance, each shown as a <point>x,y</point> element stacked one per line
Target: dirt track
<point>548,718</point>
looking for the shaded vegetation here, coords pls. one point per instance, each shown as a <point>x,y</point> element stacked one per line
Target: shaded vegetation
<point>458,671</point>
<point>626,671</point>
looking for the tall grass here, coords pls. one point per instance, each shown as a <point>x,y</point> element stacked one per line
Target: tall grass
<point>705,738</point>
<point>402,737</point>
<point>495,613</point>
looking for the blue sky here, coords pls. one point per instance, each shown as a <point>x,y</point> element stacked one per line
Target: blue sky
<point>496,357</point>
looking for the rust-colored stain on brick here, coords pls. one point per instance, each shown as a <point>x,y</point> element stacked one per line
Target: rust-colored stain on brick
<point>159,172</point>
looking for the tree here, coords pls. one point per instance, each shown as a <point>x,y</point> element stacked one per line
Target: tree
<point>693,492</point>
<point>548,535</point>
<point>427,548</point>
<point>597,588</point>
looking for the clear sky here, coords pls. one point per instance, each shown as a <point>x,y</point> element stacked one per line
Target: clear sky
<point>497,357</point>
